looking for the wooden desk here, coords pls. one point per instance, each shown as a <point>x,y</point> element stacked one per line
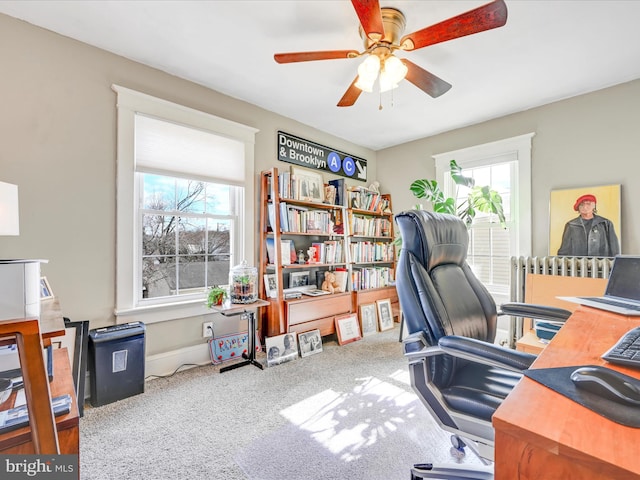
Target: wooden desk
<point>19,441</point>
<point>541,434</point>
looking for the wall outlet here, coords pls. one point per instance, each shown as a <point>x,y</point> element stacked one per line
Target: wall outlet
<point>207,329</point>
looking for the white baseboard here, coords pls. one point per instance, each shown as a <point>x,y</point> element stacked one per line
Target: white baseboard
<point>166,363</point>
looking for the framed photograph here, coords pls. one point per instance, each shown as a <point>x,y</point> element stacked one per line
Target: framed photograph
<point>76,341</point>
<point>310,343</point>
<point>270,285</point>
<point>565,213</point>
<point>45,289</point>
<point>309,185</point>
<point>368,319</point>
<point>281,349</point>
<point>299,279</point>
<point>348,329</point>
<point>385,317</point>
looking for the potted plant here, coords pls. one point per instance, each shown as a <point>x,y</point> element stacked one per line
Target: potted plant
<point>216,296</point>
<point>480,199</point>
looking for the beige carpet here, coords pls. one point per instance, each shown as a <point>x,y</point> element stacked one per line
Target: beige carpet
<point>347,412</point>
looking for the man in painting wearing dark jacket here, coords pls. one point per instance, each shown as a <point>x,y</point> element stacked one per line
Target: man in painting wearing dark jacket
<point>589,235</point>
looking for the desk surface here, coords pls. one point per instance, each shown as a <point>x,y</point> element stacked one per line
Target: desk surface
<point>542,434</point>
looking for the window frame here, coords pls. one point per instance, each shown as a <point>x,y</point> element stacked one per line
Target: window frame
<point>128,230</point>
<point>516,149</point>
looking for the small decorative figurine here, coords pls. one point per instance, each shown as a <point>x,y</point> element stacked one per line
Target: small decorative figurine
<point>301,257</point>
<point>312,255</point>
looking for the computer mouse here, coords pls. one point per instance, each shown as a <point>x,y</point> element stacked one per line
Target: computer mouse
<point>608,383</point>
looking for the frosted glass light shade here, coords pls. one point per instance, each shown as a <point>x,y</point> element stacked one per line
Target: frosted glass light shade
<point>367,73</point>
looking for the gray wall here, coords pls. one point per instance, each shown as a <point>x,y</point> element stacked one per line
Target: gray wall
<point>589,140</point>
<point>58,144</point>
<point>58,138</point>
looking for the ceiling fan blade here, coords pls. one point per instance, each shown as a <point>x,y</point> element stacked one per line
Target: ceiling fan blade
<point>486,17</point>
<point>351,95</point>
<point>425,81</point>
<point>370,17</point>
<point>310,56</point>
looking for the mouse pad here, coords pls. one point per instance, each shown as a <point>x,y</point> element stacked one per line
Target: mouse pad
<point>559,380</point>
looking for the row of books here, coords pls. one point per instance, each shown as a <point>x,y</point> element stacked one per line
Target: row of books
<point>330,251</point>
<point>298,219</point>
<point>370,226</point>
<point>364,278</point>
<point>364,199</point>
<point>364,252</point>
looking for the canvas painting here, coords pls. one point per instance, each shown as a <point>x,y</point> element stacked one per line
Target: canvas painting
<point>565,213</point>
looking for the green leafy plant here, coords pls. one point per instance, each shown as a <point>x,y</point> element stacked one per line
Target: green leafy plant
<point>216,296</point>
<point>480,199</point>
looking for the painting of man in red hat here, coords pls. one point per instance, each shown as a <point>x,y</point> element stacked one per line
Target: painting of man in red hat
<point>590,234</point>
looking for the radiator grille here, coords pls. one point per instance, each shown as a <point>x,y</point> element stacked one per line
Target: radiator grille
<point>553,265</point>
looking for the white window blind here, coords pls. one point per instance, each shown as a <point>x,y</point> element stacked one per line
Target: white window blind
<point>166,147</point>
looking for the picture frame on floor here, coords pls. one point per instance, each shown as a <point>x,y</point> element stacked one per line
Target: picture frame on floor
<point>385,316</point>
<point>368,319</point>
<point>348,329</point>
<point>281,349</point>
<point>310,342</point>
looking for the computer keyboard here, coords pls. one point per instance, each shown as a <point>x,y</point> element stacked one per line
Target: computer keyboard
<point>626,350</point>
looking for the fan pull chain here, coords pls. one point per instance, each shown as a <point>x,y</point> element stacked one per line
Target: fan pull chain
<point>380,103</point>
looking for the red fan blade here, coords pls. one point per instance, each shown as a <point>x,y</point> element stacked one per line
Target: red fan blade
<point>486,17</point>
<point>370,18</point>
<point>351,95</point>
<point>425,81</point>
<point>310,56</point>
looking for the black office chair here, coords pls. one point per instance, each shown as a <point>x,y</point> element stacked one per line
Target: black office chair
<point>458,372</point>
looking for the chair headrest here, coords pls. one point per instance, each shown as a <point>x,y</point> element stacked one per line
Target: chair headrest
<point>433,238</point>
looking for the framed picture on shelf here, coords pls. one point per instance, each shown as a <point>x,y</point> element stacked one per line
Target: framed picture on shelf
<point>310,343</point>
<point>385,316</point>
<point>348,328</point>
<point>45,289</point>
<point>368,319</point>
<point>299,279</point>
<point>309,185</point>
<point>270,285</point>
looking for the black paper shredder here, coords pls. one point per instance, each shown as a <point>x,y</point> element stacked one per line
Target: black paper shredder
<point>116,362</point>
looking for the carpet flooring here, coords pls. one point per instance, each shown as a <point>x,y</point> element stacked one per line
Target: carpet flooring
<point>345,413</point>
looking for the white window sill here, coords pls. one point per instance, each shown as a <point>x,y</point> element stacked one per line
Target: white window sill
<point>162,313</point>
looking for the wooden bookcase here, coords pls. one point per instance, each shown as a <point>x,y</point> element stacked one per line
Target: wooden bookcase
<point>315,224</point>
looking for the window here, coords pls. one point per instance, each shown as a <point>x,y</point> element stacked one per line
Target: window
<point>186,235</point>
<point>505,166</point>
<point>182,215</point>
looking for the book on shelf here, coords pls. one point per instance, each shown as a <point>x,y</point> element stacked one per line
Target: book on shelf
<point>341,190</point>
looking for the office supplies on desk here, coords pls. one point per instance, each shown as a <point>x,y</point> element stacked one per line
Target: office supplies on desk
<point>622,294</point>
<point>559,379</point>
<point>608,383</point>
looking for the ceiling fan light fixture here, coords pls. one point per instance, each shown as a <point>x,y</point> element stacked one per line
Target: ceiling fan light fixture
<point>392,73</point>
<point>368,73</point>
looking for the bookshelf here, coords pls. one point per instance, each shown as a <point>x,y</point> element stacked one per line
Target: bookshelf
<point>353,238</point>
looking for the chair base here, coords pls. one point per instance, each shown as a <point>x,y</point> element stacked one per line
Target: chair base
<point>451,472</point>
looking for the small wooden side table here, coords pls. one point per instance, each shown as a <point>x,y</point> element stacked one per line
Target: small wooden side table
<point>232,309</point>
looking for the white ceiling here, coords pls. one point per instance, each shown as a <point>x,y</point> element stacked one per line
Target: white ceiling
<point>547,51</point>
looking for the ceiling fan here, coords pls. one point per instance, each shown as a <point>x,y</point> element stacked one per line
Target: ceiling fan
<point>382,29</point>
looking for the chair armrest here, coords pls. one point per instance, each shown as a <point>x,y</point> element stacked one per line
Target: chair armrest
<point>537,312</point>
<point>486,353</point>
